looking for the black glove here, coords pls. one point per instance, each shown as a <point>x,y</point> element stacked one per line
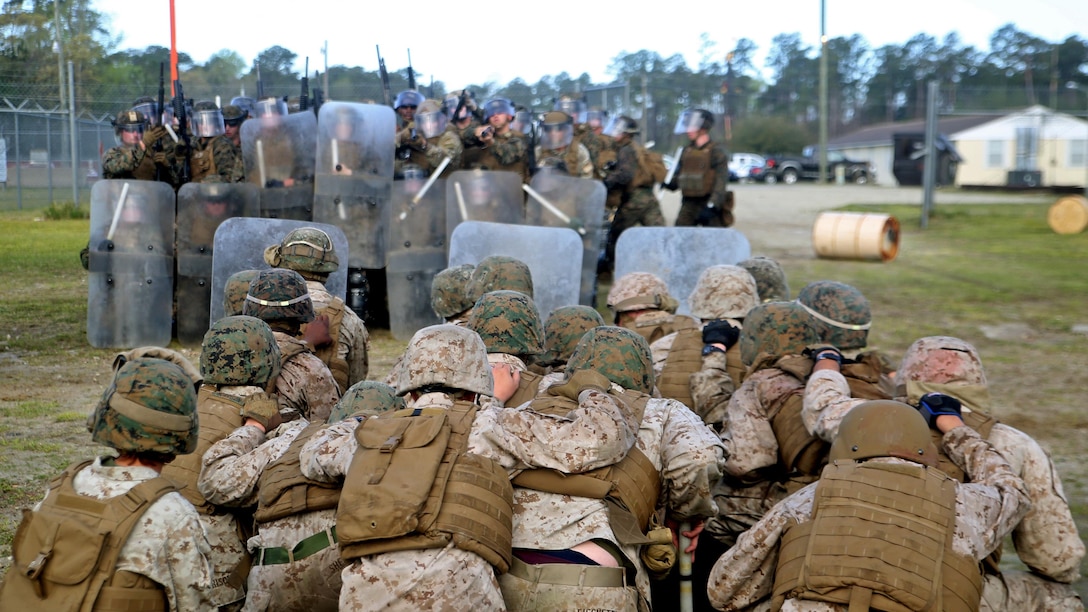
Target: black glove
<point>933,405</point>
<point>813,352</point>
<point>707,215</point>
<point>608,166</point>
<point>720,331</point>
<point>272,183</point>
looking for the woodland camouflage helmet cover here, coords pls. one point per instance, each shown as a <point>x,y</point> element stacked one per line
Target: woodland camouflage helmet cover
<point>446,356</point>
<point>499,272</point>
<point>508,322</point>
<point>449,291</point>
<point>776,329</point>
<point>770,278</point>
<point>840,313</point>
<point>234,293</point>
<point>884,428</point>
<point>304,250</point>
<point>723,292</point>
<point>149,407</point>
<point>366,398</point>
<point>564,329</point>
<point>239,350</point>
<point>640,291</point>
<point>621,355</point>
<point>279,295</point>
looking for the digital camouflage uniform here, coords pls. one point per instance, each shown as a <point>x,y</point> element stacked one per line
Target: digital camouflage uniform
<point>694,209</point>
<point>770,278</point>
<point>985,512</point>
<point>509,325</point>
<point>1046,539</point>
<point>226,157</point>
<point>353,343</point>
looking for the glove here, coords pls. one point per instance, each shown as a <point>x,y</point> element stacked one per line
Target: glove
<point>813,352</point>
<point>580,381</point>
<point>264,409</point>
<point>720,332</point>
<point>154,135</point>
<point>706,215</point>
<point>270,183</point>
<point>660,555</point>
<point>159,157</point>
<point>933,405</point>
<point>608,166</point>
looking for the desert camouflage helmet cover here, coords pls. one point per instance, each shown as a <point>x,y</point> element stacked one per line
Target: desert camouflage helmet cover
<point>723,292</point>
<point>840,313</point>
<point>770,278</point>
<point>234,293</point>
<point>239,350</point>
<point>564,329</point>
<point>366,398</point>
<point>306,249</point>
<point>449,291</point>
<point>776,329</point>
<point>618,353</point>
<point>445,356</point>
<point>943,364</point>
<point>149,407</point>
<point>508,322</point>
<point>640,291</point>
<point>499,272</point>
<point>884,428</point>
<point>279,294</point>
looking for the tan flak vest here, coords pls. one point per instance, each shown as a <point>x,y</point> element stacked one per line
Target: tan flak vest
<point>219,414</point>
<point>880,539</point>
<point>330,353</point>
<point>282,489</point>
<point>866,378</point>
<point>630,487</point>
<point>65,553</point>
<point>411,486</point>
<point>695,178</point>
<point>686,358</point>
<point>202,161</point>
<point>657,325</point>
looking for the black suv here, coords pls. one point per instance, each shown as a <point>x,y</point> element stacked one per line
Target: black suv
<point>792,168</point>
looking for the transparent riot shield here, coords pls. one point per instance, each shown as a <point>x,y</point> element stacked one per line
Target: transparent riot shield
<point>678,255</point>
<point>354,177</point>
<point>278,151</point>
<point>130,288</point>
<point>240,244</point>
<point>553,254</point>
<point>557,200</point>
<point>483,195</point>
<point>202,208</point>
<point>416,252</point>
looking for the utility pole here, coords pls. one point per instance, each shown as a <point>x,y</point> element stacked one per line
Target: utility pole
<point>325,53</point>
<point>59,48</point>
<point>823,91</point>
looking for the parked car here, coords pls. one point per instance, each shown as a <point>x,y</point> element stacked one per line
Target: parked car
<point>741,165</point>
<point>792,168</point>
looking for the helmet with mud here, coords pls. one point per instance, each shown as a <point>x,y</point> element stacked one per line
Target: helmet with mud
<point>618,353</point>
<point>306,250</point>
<point>449,291</point>
<point>840,313</point>
<point>723,292</point>
<point>508,322</point>
<point>279,295</point>
<point>239,350</point>
<point>884,428</point>
<point>445,356</point>
<point>149,407</point>
<point>564,329</point>
<point>499,272</point>
<point>776,329</point>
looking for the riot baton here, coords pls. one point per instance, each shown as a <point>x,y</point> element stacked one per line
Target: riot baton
<point>170,130</point>
<point>461,201</point>
<point>260,163</point>
<point>434,177</point>
<point>552,209</point>
<point>675,163</point>
<point>335,155</point>
<point>686,603</point>
<point>117,212</point>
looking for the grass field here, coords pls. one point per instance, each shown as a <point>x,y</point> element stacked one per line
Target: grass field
<point>994,275</point>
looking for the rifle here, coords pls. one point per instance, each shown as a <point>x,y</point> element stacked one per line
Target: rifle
<point>260,85</point>
<point>411,73</point>
<point>461,102</point>
<point>319,96</point>
<point>183,127</point>
<point>530,156</point>
<point>387,91</point>
<point>304,96</point>
<point>159,110</point>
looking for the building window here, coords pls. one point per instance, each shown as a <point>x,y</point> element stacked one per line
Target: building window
<point>1078,153</point>
<point>995,154</point>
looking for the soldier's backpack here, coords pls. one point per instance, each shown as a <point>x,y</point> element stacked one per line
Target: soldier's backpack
<point>651,167</point>
<point>65,553</point>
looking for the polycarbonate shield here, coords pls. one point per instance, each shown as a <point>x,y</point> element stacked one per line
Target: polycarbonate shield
<point>130,288</point>
<point>354,179</point>
<point>678,255</point>
<point>416,251</point>
<point>484,195</point>
<point>202,208</point>
<point>553,254</point>
<point>278,152</point>
<point>240,243</point>
<point>558,200</point>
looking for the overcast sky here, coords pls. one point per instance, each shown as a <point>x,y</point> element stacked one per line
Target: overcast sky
<point>530,40</point>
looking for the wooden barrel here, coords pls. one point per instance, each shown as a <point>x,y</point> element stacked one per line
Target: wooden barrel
<point>1069,215</point>
<point>844,235</point>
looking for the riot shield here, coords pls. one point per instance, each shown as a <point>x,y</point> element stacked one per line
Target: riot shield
<point>557,200</point>
<point>679,254</point>
<point>483,195</point>
<point>354,178</point>
<point>130,288</point>
<point>416,252</point>
<point>240,244</point>
<point>202,207</point>
<point>553,254</point>
<point>278,152</point>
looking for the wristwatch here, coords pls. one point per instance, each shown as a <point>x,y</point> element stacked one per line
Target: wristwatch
<point>832,355</point>
<point>710,348</point>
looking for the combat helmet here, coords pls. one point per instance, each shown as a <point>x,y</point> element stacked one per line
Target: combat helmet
<point>497,273</point>
<point>508,322</point>
<point>234,292</point>
<point>207,119</point>
<point>366,398</point>
<point>498,106</point>
<point>620,126</point>
<point>776,329</point>
<point>445,356</point>
<point>840,313</point>
<point>723,292</point>
<point>946,365</point>
<point>130,121</point>
<point>693,119</point>
<point>239,350</point>
<point>770,278</point>
<point>306,250</point>
<point>279,294</point>
<point>884,428</point>
<point>640,291</point>
<point>564,329</point>
<point>234,115</point>
<point>449,291</point>
<point>573,107</point>
<point>149,407</point>
<point>556,130</point>
<point>623,356</point>
<point>408,97</point>
<point>431,119</point>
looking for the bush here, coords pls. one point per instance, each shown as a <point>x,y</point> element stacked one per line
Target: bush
<point>66,210</point>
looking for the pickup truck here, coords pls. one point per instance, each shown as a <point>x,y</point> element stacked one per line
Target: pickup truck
<point>792,168</point>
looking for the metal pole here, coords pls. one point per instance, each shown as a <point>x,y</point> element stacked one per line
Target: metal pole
<point>18,166</point>
<point>929,169</point>
<point>823,91</point>
<point>60,54</point>
<point>49,155</point>
<point>72,130</point>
